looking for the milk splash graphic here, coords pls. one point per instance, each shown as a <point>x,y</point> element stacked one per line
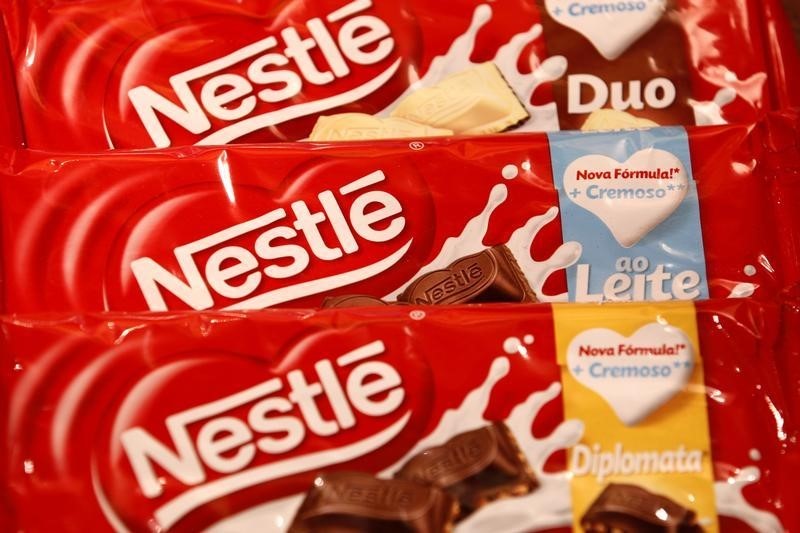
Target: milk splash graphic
<point>710,113</point>
<point>731,502</point>
<point>742,290</point>
<point>470,241</point>
<point>457,59</point>
<point>745,290</point>
<point>549,506</point>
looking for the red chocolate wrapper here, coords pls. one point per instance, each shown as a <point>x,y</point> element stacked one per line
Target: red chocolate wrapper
<point>785,58</point>
<point>783,142</point>
<point>87,397</point>
<point>789,355</point>
<point>782,158</point>
<point>138,74</point>
<point>288,225</point>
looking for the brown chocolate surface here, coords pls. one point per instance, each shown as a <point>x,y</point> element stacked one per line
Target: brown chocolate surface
<point>476,467</point>
<point>356,502</point>
<point>661,52</point>
<point>631,509</point>
<point>491,276</point>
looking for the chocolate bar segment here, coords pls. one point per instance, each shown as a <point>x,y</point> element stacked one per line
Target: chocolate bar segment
<point>347,502</point>
<point>626,508</point>
<point>613,120</point>
<point>491,276</point>
<point>359,126</point>
<point>476,468</point>
<point>352,300</point>
<point>476,101</point>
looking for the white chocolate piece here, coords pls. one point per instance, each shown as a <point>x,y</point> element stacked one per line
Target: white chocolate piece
<point>475,101</point>
<point>611,119</point>
<point>357,126</point>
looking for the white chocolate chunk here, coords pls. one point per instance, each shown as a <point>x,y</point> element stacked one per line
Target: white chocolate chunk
<point>611,119</point>
<point>357,126</point>
<point>475,101</point>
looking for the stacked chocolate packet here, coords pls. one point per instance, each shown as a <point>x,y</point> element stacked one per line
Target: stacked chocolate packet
<point>434,198</point>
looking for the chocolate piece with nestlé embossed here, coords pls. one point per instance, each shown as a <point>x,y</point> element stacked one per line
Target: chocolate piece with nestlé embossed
<point>476,467</point>
<point>627,508</point>
<point>476,101</point>
<point>360,126</point>
<point>491,276</point>
<point>355,502</point>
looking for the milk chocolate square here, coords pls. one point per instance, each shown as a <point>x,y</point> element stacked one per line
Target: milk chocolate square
<point>491,276</point>
<point>354,502</point>
<point>623,508</point>
<point>476,467</point>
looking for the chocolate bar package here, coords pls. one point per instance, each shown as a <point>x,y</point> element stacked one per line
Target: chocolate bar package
<point>103,74</point>
<point>661,214</point>
<point>627,417</point>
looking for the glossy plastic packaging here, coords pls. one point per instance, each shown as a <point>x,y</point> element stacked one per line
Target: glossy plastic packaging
<point>123,421</point>
<point>99,74</point>
<point>250,227</point>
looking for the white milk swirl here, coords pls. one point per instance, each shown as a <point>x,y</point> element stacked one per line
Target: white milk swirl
<point>710,113</point>
<point>731,502</point>
<point>470,241</point>
<point>457,59</point>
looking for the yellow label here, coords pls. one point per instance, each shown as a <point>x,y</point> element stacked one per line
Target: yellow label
<point>633,375</point>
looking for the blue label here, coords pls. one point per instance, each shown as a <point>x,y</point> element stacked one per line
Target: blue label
<point>630,200</point>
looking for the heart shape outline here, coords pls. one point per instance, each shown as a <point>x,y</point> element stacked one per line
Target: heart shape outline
<point>629,219</point>
<point>638,397</point>
<point>628,26</point>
